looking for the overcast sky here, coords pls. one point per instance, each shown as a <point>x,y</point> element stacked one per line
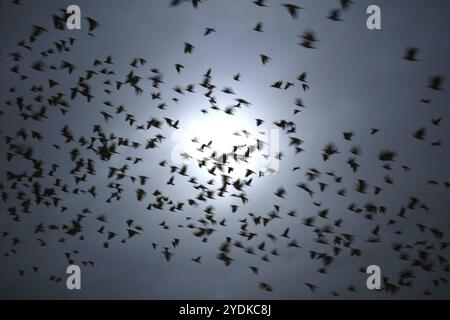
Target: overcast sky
<point>358,81</point>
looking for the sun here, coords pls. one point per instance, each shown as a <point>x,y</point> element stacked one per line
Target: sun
<point>221,144</point>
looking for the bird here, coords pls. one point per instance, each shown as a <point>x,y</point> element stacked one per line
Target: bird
<point>311,286</point>
<point>209,31</point>
<point>188,48</point>
<point>411,54</point>
<point>280,192</point>
<point>179,67</point>
<point>258,27</point>
<point>264,59</point>
<point>260,3</point>
<point>436,83</point>
<point>265,286</point>
<point>292,9</point>
<point>335,15</point>
<point>345,4</point>
<point>93,24</point>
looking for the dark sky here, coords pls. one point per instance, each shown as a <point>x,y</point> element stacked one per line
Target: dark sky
<point>358,81</point>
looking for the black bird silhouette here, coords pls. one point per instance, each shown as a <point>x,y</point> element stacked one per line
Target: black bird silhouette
<point>265,286</point>
<point>209,31</point>
<point>335,15</point>
<point>292,9</point>
<point>258,27</point>
<point>93,24</point>
<point>436,83</point>
<point>260,3</point>
<point>411,54</point>
<point>264,59</point>
<point>188,48</point>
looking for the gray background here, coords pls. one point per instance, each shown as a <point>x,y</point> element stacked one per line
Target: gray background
<point>358,81</point>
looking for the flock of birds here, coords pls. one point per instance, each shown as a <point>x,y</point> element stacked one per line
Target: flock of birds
<point>30,183</point>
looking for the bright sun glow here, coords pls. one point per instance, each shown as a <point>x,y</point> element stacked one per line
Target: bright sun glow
<point>209,138</point>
